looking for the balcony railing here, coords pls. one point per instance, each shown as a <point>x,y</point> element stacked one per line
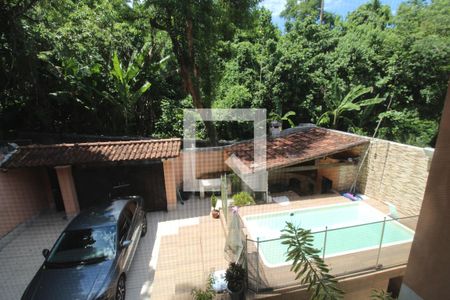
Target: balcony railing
<point>347,250</point>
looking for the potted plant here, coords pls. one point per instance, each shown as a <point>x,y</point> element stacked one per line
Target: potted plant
<point>214,212</point>
<point>207,294</point>
<point>235,276</point>
<point>243,199</point>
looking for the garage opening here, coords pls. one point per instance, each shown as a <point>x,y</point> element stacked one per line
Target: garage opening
<point>100,183</point>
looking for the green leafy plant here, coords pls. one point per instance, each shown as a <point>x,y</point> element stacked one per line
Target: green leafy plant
<point>204,294</point>
<point>125,81</point>
<point>235,276</point>
<point>243,199</point>
<point>337,105</point>
<point>381,295</point>
<point>273,116</point>
<point>307,264</point>
<point>213,201</point>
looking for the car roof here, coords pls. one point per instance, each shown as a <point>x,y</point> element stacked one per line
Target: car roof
<point>101,215</point>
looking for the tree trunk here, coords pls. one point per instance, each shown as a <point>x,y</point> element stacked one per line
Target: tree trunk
<point>321,12</point>
<point>191,76</point>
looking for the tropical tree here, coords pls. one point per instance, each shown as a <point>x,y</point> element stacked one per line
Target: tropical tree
<point>337,105</point>
<point>125,83</point>
<point>195,29</point>
<point>372,12</point>
<point>307,264</point>
<point>56,59</point>
<point>301,9</point>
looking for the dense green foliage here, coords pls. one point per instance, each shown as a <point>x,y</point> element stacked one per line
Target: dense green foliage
<point>243,199</point>
<point>86,66</point>
<point>309,268</point>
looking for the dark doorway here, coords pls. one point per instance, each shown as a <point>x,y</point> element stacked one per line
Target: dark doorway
<point>327,184</point>
<point>394,286</point>
<point>295,186</point>
<point>56,191</point>
<point>100,183</point>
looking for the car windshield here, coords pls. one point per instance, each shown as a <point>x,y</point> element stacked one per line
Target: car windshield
<point>84,246</point>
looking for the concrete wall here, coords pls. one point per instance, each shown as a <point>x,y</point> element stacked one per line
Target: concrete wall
<point>396,173</point>
<point>23,194</point>
<point>428,271</point>
<point>358,287</point>
<point>207,161</point>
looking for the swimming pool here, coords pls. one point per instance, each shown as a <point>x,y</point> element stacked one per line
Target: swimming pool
<point>364,233</point>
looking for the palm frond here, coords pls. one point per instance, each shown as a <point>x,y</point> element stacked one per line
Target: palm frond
<point>355,93</point>
<point>371,101</point>
<point>310,269</point>
<point>117,68</point>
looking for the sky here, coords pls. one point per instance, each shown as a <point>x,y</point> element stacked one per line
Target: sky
<point>340,7</point>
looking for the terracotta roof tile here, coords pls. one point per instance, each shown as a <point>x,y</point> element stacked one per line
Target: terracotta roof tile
<point>82,153</point>
<point>302,144</point>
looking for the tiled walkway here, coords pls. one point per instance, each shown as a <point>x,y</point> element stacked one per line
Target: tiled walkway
<point>177,254</point>
<point>191,246</point>
<point>22,256</point>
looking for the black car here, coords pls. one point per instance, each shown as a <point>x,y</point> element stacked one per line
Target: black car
<point>91,257</point>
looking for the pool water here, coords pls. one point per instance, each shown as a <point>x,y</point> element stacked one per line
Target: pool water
<point>365,233</point>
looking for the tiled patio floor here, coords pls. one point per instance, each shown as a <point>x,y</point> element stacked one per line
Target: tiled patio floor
<point>179,251</point>
<point>308,201</point>
<point>22,256</point>
<point>191,246</point>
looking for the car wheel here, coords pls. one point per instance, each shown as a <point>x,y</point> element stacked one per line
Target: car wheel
<point>120,291</point>
<point>144,225</point>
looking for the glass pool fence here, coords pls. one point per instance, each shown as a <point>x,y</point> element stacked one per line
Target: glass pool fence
<point>355,249</point>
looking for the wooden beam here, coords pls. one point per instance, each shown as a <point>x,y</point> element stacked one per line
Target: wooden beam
<point>313,167</point>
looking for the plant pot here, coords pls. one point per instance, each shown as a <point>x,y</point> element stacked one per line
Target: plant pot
<point>237,295</point>
<point>215,213</point>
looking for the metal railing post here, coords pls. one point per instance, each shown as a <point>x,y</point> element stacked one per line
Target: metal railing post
<point>257,264</point>
<point>246,256</point>
<point>325,242</point>
<point>381,243</point>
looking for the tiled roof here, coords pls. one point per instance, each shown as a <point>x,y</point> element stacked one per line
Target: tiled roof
<point>297,146</point>
<point>99,152</point>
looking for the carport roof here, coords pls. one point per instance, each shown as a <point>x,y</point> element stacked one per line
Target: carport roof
<point>296,145</point>
<point>98,152</point>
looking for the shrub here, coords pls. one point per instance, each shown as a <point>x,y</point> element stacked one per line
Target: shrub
<point>381,295</point>
<point>207,294</point>
<point>243,199</point>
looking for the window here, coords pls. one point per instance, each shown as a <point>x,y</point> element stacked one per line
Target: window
<point>83,246</point>
<point>131,207</point>
<point>124,225</point>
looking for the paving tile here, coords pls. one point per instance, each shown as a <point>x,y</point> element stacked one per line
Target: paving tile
<point>177,254</point>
